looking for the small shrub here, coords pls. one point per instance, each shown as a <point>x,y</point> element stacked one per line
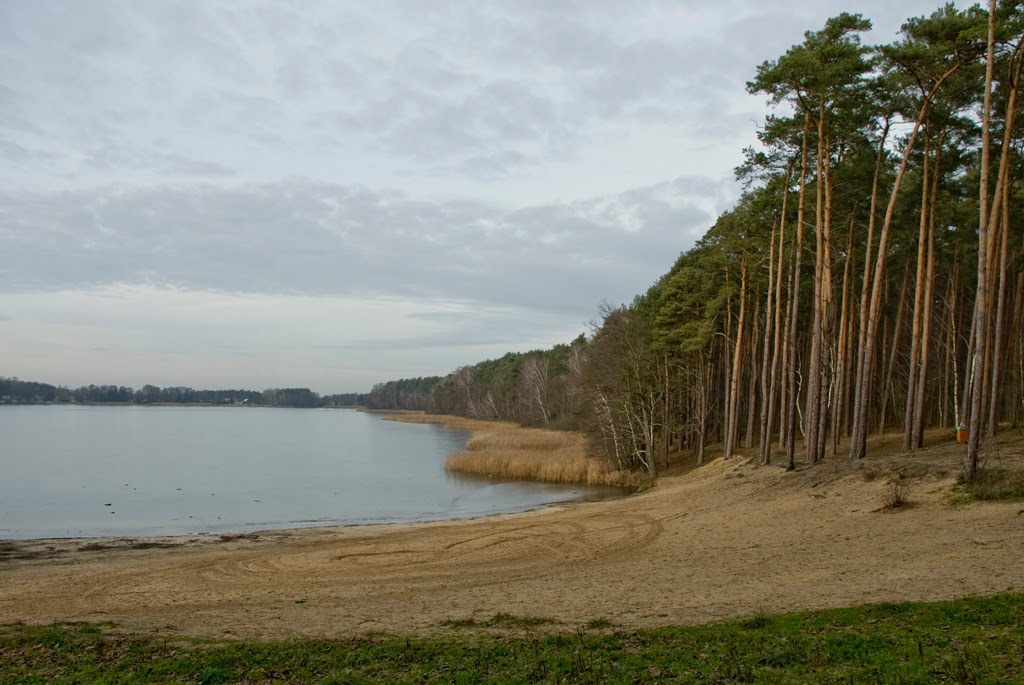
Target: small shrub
<point>897,493</point>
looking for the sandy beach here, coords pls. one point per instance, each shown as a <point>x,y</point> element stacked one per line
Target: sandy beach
<point>725,540</point>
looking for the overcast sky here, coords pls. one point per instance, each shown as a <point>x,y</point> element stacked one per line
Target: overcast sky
<point>330,194</point>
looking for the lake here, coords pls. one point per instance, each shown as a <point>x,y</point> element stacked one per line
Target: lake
<point>134,470</point>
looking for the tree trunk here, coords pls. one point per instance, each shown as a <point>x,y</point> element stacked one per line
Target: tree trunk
<point>737,364</point>
<point>926,326</point>
<point>1017,333</point>
<point>768,410</point>
<point>858,442</point>
<point>785,364</point>
<point>950,351</point>
<point>748,440</point>
<point>666,433</point>
<point>981,308</point>
<point>795,304</point>
<point>891,365</point>
<point>915,321</point>
<point>1003,188</point>
<point>862,380</point>
<point>827,313</point>
<point>837,403</point>
<point>814,367</point>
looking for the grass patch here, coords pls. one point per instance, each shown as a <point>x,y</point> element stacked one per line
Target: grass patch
<point>993,484</point>
<point>758,621</point>
<point>500,620</point>
<point>975,640</point>
<point>503,620</point>
<point>460,623</point>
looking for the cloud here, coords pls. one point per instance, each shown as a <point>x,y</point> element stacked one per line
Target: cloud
<point>166,336</point>
<point>481,172</point>
<point>497,98</point>
<point>307,237</point>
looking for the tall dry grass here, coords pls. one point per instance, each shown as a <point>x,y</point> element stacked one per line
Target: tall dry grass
<point>509,451</point>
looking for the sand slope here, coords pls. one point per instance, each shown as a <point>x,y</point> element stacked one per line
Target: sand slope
<point>725,540</point>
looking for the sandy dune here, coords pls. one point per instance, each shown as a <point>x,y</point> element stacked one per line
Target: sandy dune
<point>728,539</point>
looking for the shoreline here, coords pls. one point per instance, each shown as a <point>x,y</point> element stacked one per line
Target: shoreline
<point>50,547</point>
<point>147,541</point>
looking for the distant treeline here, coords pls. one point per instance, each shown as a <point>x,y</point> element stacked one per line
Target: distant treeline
<point>413,394</point>
<point>14,391</point>
<point>540,387</point>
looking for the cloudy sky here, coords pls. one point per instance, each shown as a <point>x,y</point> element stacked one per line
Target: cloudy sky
<point>217,193</point>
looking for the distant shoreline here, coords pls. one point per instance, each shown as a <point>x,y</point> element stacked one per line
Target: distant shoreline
<point>175,404</point>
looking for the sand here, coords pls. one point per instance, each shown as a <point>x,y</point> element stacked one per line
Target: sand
<point>729,539</point>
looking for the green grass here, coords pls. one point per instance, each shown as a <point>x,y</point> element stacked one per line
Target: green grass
<point>499,620</point>
<point>976,640</point>
<point>993,484</point>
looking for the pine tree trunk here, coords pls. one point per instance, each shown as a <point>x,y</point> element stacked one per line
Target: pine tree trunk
<point>915,321</point>
<point>981,307</point>
<point>851,342</point>
<point>748,440</point>
<point>768,410</point>
<point>794,305</point>
<point>666,401</point>
<point>862,379</point>
<point>858,442</point>
<point>827,314</point>
<point>965,394</point>
<point>768,423</point>
<point>1003,188</point>
<point>926,326</point>
<point>814,367</point>
<point>785,363</point>
<point>1017,334</point>
<point>891,365</point>
<point>723,427</point>
<point>950,351</point>
<point>737,366</point>
<point>837,403</point>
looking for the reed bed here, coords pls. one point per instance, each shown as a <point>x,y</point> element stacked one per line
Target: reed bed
<point>553,467</point>
<point>509,451</point>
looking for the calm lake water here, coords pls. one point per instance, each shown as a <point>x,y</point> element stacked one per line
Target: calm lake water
<point>112,471</point>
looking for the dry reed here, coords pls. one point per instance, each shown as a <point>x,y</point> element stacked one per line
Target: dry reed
<point>509,451</point>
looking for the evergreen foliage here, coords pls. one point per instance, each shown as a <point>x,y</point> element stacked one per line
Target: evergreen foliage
<point>869,277</point>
